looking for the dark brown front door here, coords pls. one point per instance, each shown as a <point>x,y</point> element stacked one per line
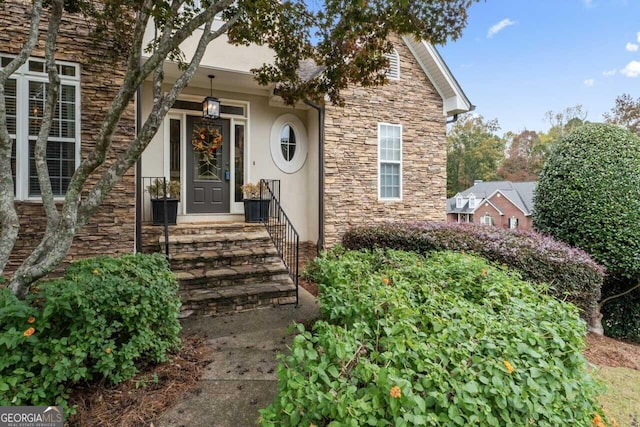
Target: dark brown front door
<point>208,179</point>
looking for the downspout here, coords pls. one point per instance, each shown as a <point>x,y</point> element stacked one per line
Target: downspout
<point>321,111</point>
<point>138,174</point>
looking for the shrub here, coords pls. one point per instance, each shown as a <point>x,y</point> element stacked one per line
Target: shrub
<point>571,273</point>
<point>444,340</point>
<point>588,195</point>
<point>101,321</point>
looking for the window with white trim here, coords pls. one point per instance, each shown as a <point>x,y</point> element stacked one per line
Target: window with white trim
<point>393,71</point>
<point>459,202</point>
<point>513,223</point>
<point>472,201</point>
<point>25,95</point>
<point>486,219</point>
<point>389,161</point>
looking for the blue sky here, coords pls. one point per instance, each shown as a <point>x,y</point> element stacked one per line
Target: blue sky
<point>547,55</point>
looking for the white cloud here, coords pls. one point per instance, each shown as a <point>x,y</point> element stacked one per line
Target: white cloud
<point>609,73</point>
<point>632,47</point>
<point>588,3</point>
<point>495,29</point>
<point>589,82</point>
<point>632,69</point>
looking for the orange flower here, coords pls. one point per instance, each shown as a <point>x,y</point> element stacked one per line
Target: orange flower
<point>385,280</point>
<point>95,271</point>
<point>483,272</point>
<point>31,320</point>
<point>614,422</point>
<point>108,350</point>
<point>597,421</point>
<point>29,332</point>
<point>509,366</point>
<point>312,425</point>
<point>395,392</point>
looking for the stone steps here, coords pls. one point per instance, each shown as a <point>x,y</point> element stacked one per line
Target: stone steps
<point>226,258</point>
<point>227,267</point>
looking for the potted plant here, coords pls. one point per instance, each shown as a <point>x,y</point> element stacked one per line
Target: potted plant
<point>256,209</point>
<point>158,194</point>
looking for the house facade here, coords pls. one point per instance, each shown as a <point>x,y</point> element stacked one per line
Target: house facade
<point>503,204</point>
<point>380,157</point>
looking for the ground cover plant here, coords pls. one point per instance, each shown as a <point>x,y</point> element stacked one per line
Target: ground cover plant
<point>570,274</point>
<point>444,339</point>
<point>103,320</point>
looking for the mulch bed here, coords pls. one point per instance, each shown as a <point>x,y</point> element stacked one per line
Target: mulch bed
<point>310,287</point>
<point>603,351</point>
<point>138,401</point>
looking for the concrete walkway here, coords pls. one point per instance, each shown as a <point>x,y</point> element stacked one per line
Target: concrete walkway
<point>242,376</point>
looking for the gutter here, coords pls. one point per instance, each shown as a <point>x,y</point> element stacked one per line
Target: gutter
<point>321,113</point>
<point>138,226</point>
<point>455,116</point>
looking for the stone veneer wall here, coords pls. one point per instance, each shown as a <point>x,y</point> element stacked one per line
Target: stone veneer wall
<point>111,230</point>
<point>351,152</point>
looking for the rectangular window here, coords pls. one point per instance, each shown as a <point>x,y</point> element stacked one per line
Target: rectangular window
<point>389,161</point>
<point>175,134</point>
<point>239,162</point>
<point>513,223</point>
<point>25,95</point>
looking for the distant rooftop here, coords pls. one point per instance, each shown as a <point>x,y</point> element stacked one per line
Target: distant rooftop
<point>519,193</point>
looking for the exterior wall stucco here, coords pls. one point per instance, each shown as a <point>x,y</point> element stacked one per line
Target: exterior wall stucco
<point>111,230</point>
<point>351,157</point>
<point>298,191</point>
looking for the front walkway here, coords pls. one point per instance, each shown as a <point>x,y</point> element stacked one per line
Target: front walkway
<point>241,378</point>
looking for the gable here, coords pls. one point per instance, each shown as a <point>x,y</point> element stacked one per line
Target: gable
<point>454,99</point>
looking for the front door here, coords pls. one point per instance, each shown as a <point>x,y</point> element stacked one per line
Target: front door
<point>208,171</point>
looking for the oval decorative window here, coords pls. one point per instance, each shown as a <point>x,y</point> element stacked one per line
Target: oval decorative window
<point>289,143</point>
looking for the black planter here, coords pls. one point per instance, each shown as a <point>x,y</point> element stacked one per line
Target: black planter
<point>157,209</point>
<point>256,210</point>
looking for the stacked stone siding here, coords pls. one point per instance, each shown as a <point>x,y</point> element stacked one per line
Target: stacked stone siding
<point>351,152</point>
<point>111,230</point>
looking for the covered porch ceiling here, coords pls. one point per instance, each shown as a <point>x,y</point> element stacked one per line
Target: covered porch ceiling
<point>225,80</point>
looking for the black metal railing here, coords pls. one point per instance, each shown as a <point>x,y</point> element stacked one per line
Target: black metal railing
<point>282,232</point>
<point>156,205</point>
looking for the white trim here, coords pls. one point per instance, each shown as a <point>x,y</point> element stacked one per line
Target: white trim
<point>398,162</point>
<point>483,219</point>
<point>509,199</point>
<point>456,103</point>
<point>302,145</point>
<point>23,76</point>
<point>393,72</point>
<point>473,201</point>
<point>234,208</point>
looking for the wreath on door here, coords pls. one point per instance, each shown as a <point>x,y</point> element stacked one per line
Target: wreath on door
<point>206,140</point>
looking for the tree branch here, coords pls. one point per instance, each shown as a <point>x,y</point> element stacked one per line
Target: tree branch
<point>114,174</point>
<point>53,90</point>
<point>9,220</point>
<point>604,301</point>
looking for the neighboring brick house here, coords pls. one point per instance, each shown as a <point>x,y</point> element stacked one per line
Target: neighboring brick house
<point>380,157</point>
<point>503,204</point>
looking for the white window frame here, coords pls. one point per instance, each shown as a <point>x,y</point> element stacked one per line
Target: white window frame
<point>23,76</point>
<point>513,223</point>
<point>486,219</point>
<point>459,202</point>
<point>473,202</point>
<point>380,162</point>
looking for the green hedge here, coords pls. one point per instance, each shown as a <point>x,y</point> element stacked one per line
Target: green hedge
<point>447,340</point>
<point>572,274</point>
<point>106,317</point>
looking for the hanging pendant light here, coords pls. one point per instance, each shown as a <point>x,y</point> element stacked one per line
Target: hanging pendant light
<point>211,105</point>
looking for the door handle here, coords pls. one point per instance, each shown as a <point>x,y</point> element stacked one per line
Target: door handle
<point>227,175</point>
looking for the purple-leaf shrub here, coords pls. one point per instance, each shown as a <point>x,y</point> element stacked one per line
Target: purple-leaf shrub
<point>571,273</point>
